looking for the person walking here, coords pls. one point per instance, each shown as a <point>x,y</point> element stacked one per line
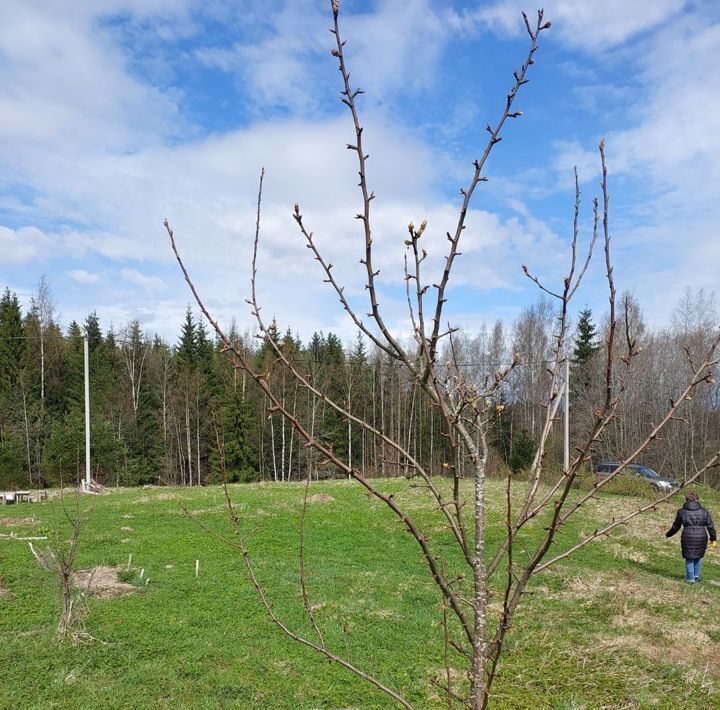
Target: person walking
<point>695,521</point>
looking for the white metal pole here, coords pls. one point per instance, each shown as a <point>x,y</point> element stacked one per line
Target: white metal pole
<point>86,359</point>
<point>566,447</point>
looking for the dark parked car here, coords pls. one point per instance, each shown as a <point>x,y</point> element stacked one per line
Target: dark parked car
<point>658,482</point>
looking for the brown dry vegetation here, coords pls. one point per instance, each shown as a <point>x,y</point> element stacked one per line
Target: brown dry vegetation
<point>102,582</point>
<point>16,522</point>
<point>321,498</point>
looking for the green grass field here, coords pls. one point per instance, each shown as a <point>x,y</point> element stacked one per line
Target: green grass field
<point>614,626</point>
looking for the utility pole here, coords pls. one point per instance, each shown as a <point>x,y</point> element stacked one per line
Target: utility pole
<point>86,363</point>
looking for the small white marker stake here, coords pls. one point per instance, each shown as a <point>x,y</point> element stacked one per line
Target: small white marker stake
<point>142,573</point>
<point>197,568</point>
<point>129,562</point>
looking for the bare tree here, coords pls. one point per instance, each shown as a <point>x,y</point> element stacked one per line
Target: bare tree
<point>59,558</point>
<point>44,306</point>
<point>134,351</point>
<point>466,404</point>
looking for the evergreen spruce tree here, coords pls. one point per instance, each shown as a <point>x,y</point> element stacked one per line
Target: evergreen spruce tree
<point>31,358</point>
<point>584,349</point>
<point>237,430</point>
<point>585,339</point>
<point>332,358</point>
<point>72,369</point>
<point>93,332</point>
<point>12,352</point>
<point>358,354</point>
<point>186,348</point>
<point>12,343</point>
<point>203,345</point>
<point>523,452</point>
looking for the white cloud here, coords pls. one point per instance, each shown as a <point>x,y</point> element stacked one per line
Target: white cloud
<point>66,87</point>
<point>395,47</point>
<point>676,140</point>
<point>147,283</point>
<point>84,277</point>
<point>582,24</point>
<point>669,151</point>
<point>209,197</point>
<point>19,246</point>
<point>92,139</point>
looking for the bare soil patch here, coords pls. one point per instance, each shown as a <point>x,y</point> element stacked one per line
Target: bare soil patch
<point>102,582</point>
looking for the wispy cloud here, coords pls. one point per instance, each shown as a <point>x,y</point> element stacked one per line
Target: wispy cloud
<point>148,283</point>
<point>84,277</point>
<point>581,24</point>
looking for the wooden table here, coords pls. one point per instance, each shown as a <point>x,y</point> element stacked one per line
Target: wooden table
<point>16,496</point>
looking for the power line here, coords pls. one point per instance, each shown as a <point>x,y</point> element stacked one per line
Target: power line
<point>302,361</point>
<point>61,337</point>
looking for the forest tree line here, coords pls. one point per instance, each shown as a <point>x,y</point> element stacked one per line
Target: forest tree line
<point>157,408</point>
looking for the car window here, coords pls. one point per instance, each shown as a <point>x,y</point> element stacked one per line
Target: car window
<point>647,472</point>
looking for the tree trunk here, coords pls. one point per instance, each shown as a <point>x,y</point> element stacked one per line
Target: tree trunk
<point>188,439</point>
<point>27,431</point>
<point>478,683</point>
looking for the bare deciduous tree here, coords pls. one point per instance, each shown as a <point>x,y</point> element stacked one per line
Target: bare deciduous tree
<point>59,558</point>
<point>466,405</point>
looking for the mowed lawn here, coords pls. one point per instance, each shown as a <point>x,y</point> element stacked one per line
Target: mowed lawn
<point>614,626</point>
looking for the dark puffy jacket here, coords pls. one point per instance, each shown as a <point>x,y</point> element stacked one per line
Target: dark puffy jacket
<point>694,519</point>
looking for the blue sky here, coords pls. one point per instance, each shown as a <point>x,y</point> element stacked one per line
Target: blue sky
<point>117,113</point>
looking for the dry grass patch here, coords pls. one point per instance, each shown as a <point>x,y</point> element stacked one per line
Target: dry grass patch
<point>220,507</point>
<point>627,553</point>
<point>17,522</point>
<point>384,614</point>
<point>650,526</point>
<point>158,497</point>
<point>321,498</point>
<point>683,647</point>
<point>684,644</point>
<point>623,586</point>
<point>438,678</point>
